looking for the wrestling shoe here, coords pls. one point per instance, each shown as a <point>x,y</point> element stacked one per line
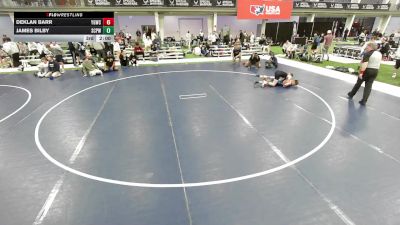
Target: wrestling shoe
<point>349,96</point>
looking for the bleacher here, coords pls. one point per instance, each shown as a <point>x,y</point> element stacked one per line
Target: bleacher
<point>348,51</point>
<point>163,53</point>
<point>224,50</point>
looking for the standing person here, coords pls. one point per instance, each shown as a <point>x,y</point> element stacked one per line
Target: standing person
<point>361,38</point>
<point>12,50</point>
<point>346,32</point>
<point>188,38</point>
<point>201,36</point>
<point>72,51</point>
<point>138,35</point>
<point>252,38</point>
<point>315,43</point>
<point>369,69</point>
<point>397,65</point>
<point>328,38</point>
<point>241,36</point>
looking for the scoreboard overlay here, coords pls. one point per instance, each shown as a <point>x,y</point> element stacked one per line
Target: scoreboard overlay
<point>62,26</point>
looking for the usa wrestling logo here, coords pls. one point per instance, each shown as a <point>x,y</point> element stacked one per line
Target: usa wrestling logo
<point>257,9</point>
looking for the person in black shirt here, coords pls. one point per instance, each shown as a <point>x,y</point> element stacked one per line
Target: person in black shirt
<point>54,68</point>
<point>281,78</point>
<point>124,59</point>
<point>271,62</point>
<point>253,61</point>
<point>109,62</point>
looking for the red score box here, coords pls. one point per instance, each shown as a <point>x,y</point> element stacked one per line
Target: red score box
<point>108,21</point>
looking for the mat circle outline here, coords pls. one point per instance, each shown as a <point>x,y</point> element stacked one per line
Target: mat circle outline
<point>178,185</point>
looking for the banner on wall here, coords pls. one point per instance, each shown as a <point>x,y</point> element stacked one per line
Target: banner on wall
<point>264,9</point>
<point>163,3</point>
<point>342,6</point>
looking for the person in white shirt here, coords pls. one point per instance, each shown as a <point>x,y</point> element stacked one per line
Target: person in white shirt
<point>369,69</point>
<point>147,44</point>
<point>188,39</point>
<point>397,65</point>
<point>201,36</point>
<point>12,50</point>
<point>252,37</point>
<point>116,48</point>
<point>213,38</point>
<point>153,36</point>
<point>32,47</point>
<point>43,68</point>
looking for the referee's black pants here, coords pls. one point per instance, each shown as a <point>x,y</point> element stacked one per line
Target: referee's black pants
<point>369,77</point>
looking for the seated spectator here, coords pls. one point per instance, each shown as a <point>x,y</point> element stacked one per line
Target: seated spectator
<point>286,45</point>
<point>54,68</point>
<point>90,68</point>
<point>254,60</point>
<point>124,59</point>
<point>109,62</point>
<point>291,51</point>
<point>5,61</point>
<point>133,59</point>
<point>271,62</point>
<point>138,50</point>
<point>43,68</point>
<point>58,52</point>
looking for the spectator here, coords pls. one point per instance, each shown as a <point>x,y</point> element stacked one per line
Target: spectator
<point>90,68</point>
<point>32,48</point>
<point>43,68</point>
<point>100,52</point>
<point>285,46</point>
<point>109,62</point>
<point>124,59</point>
<point>188,39</point>
<point>116,48</point>
<point>11,48</point>
<point>54,68</point>
<point>346,32</point>
<point>316,42</point>
<point>252,38</point>
<point>328,38</point>
<point>397,64</point>
<point>58,52</point>
<point>138,50</point>
<point>385,47</point>
<point>236,52</point>
<point>201,36</point>
<point>72,51</point>
<point>254,60</point>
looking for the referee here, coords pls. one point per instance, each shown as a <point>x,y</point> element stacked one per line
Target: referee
<point>369,69</point>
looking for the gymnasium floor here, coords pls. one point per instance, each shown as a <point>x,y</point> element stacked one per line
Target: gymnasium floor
<point>196,144</point>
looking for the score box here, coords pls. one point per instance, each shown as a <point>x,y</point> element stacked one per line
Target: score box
<point>89,38</point>
<point>104,38</point>
<point>108,21</point>
<point>108,30</point>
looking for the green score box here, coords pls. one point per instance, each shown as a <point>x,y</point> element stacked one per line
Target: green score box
<point>108,30</point>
